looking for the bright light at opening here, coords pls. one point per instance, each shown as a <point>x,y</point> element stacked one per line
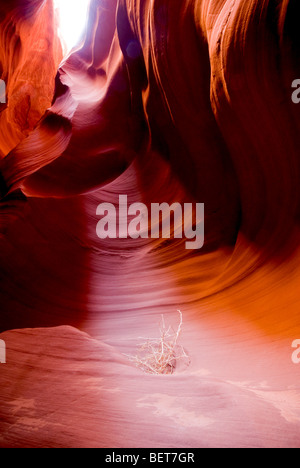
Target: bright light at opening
<point>73,16</point>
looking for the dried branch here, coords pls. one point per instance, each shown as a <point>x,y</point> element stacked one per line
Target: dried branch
<point>159,356</point>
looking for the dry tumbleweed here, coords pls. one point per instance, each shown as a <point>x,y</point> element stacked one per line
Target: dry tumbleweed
<point>159,356</point>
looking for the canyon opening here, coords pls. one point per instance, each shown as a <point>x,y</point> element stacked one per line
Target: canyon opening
<point>72,18</point>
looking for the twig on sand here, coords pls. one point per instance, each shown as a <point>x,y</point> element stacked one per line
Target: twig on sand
<point>159,356</point>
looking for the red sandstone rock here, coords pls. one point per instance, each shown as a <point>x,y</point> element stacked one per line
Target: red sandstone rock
<point>186,101</point>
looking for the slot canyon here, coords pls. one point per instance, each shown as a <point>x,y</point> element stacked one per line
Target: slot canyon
<point>164,101</point>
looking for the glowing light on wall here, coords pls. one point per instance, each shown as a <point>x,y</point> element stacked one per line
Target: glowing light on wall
<point>73,17</point>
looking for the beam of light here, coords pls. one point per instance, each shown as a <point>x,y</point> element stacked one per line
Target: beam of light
<point>73,18</point>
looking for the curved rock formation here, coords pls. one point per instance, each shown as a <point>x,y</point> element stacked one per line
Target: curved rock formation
<point>164,101</point>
